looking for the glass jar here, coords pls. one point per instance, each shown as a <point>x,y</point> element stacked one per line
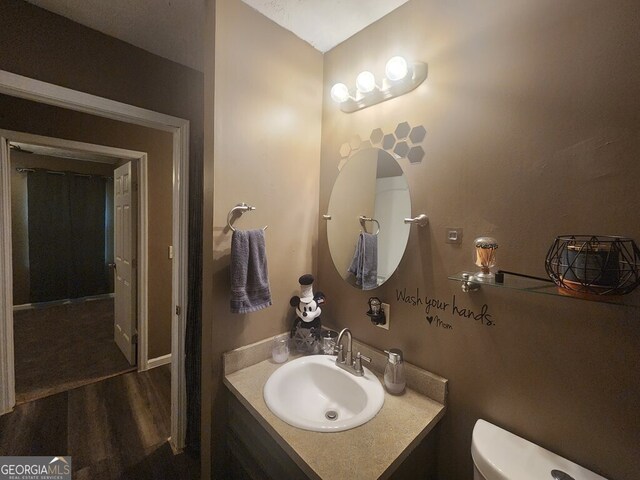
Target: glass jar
<point>485,257</point>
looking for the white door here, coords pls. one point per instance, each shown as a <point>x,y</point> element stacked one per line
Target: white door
<point>124,185</point>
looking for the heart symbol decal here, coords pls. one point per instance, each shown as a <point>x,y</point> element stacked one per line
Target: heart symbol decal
<point>430,320</point>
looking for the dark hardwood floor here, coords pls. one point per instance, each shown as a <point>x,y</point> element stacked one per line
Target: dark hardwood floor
<point>113,429</point>
<point>61,347</point>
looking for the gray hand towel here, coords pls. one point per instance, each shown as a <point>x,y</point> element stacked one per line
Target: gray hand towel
<point>354,268</point>
<point>364,265</point>
<point>249,276</point>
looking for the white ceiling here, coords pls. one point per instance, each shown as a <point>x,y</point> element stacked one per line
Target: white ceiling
<point>174,29</point>
<point>324,23</point>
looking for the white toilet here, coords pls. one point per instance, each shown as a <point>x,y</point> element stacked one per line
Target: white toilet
<point>500,455</point>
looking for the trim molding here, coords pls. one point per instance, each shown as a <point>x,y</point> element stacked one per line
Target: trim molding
<point>143,264</point>
<point>33,306</point>
<point>47,93</point>
<point>159,361</point>
<point>180,278</point>
<point>31,89</point>
<point>7,377</point>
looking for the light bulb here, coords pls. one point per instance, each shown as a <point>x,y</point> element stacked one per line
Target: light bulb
<point>365,82</point>
<point>396,69</point>
<point>339,92</point>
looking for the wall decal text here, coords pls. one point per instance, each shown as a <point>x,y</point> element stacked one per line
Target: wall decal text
<point>433,306</point>
<point>438,323</point>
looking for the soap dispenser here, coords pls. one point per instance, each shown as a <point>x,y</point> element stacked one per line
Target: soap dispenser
<point>394,377</point>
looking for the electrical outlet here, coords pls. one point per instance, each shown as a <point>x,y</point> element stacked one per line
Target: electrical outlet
<point>386,308</point>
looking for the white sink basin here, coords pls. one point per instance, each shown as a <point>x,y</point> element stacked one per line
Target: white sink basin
<point>314,394</point>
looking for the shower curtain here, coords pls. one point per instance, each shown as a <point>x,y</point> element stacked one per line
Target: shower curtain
<point>66,235</point>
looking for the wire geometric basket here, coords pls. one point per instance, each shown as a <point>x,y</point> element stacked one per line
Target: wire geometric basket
<point>594,264</point>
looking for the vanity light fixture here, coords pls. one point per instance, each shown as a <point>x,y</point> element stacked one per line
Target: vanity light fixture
<point>339,92</point>
<point>365,82</point>
<point>400,77</point>
<point>396,69</point>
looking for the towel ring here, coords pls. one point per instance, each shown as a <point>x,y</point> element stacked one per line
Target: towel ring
<point>241,207</point>
<point>369,219</point>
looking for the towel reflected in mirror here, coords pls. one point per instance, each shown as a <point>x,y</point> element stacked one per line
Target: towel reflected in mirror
<point>364,265</point>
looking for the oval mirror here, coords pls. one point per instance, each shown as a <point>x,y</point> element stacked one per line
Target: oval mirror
<point>366,233</point>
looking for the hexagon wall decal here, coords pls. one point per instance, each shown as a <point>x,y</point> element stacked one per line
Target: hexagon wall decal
<point>402,130</point>
<point>388,141</point>
<point>402,148</point>
<point>416,154</point>
<point>345,150</point>
<point>403,143</point>
<point>417,134</point>
<point>376,136</point>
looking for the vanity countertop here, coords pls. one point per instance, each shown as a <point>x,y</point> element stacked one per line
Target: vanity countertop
<point>370,451</point>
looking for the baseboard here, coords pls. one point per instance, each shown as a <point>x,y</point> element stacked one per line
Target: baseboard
<point>66,301</point>
<point>158,361</point>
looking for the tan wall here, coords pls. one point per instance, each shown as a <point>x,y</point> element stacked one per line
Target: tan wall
<point>533,132</point>
<point>266,149</point>
<point>25,116</point>
<point>19,210</point>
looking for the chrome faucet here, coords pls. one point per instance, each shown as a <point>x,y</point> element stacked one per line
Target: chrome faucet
<point>345,361</point>
<point>342,360</point>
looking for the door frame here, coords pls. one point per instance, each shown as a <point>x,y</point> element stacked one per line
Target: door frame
<point>30,89</point>
<point>140,162</point>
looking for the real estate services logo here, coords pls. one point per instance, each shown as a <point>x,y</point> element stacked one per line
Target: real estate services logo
<point>35,468</point>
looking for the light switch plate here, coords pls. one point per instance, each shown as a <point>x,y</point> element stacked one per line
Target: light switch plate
<point>454,236</point>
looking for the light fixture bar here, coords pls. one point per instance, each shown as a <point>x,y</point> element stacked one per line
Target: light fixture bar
<point>387,90</point>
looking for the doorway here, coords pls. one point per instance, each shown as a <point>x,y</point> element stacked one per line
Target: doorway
<point>63,236</point>
<point>46,93</point>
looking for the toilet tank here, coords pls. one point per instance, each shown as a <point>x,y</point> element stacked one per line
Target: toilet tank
<point>501,455</point>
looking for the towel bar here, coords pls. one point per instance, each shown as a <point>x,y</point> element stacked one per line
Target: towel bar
<point>422,220</point>
<point>241,207</point>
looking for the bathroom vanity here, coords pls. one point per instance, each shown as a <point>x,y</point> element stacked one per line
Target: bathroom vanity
<point>399,442</point>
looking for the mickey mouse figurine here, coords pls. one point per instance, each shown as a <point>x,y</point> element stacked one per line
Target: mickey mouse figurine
<point>307,326</point>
